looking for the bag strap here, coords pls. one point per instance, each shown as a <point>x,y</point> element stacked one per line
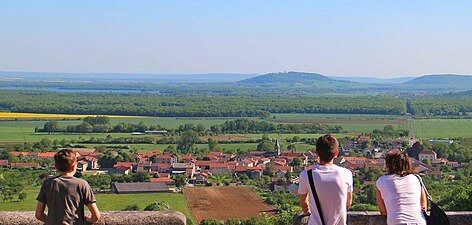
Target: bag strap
<point>315,195</point>
<point>424,188</point>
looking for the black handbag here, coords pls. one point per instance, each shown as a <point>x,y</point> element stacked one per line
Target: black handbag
<point>437,216</point>
<point>315,195</point>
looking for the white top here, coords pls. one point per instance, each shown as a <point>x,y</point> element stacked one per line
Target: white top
<point>402,198</point>
<point>332,184</point>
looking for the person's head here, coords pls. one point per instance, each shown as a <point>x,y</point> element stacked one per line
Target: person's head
<point>65,161</point>
<point>397,162</point>
<point>327,148</point>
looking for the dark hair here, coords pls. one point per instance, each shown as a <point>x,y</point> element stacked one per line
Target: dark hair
<point>64,160</point>
<point>326,147</point>
<point>398,163</point>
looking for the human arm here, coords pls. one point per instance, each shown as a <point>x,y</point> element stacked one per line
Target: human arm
<point>94,213</point>
<point>304,204</point>
<point>349,200</point>
<point>381,203</point>
<point>39,214</point>
<point>423,201</point>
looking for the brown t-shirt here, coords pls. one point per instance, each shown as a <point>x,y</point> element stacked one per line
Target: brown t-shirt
<point>65,198</point>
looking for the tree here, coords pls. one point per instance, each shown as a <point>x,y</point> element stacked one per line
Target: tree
<point>85,128</point>
<point>212,144</point>
<point>51,126</point>
<point>180,180</point>
<point>297,162</point>
<point>133,207</point>
<point>22,196</point>
<point>157,206</point>
<point>187,140</point>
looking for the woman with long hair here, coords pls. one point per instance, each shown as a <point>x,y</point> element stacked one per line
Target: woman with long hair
<point>399,193</point>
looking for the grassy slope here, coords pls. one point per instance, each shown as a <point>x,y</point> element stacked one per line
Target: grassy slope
<point>109,202</point>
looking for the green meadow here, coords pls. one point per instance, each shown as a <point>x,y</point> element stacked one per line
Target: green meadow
<point>442,128</point>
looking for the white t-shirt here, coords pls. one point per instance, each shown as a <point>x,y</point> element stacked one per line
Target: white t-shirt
<point>332,184</point>
<point>402,198</point>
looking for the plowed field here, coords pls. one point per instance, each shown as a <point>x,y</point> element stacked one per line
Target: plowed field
<point>222,203</point>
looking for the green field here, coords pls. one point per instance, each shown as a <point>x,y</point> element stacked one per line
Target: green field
<point>353,123</point>
<point>442,128</point>
<point>109,202</point>
<point>23,130</point>
<point>321,116</point>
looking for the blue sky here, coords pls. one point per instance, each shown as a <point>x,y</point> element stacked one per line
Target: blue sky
<point>345,38</point>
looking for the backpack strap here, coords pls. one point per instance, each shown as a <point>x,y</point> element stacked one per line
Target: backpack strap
<point>315,195</point>
<point>424,188</point>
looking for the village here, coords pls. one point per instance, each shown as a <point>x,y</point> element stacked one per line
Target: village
<point>282,167</point>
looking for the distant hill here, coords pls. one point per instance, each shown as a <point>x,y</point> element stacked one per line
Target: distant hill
<point>374,80</point>
<point>291,78</point>
<point>443,79</point>
<point>123,77</point>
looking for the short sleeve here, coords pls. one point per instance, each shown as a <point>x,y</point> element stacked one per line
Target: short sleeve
<point>350,183</point>
<point>379,182</point>
<point>303,186</point>
<point>89,197</point>
<point>42,194</point>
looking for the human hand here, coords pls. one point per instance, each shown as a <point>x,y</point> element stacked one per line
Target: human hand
<point>89,219</point>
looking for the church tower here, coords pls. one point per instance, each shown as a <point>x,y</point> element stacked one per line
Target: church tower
<point>277,149</point>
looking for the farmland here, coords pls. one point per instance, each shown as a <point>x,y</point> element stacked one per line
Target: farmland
<point>219,203</point>
<point>443,128</point>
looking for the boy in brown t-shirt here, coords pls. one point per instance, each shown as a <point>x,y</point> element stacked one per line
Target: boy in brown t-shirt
<point>66,195</point>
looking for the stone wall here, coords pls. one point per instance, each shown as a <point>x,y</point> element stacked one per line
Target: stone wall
<point>108,218</point>
<point>374,218</point>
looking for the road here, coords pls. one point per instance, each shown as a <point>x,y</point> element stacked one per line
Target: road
<point>410,127</point>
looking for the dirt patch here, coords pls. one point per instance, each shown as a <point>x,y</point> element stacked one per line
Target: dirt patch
<point>222,203</point>
<point>386,122</point>
<point>225,137</point>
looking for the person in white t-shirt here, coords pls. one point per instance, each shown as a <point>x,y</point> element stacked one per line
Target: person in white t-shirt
<point>399,193</point>
<point>333,186</point>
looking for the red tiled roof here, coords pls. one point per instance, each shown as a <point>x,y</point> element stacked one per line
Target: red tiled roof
<point>122,168</point>
<point>282,168</point>
<point>186,156</point>
<point>163,175</point>
<point>254,168</point>
<point>16,154</point>
<point>127,164</point>
<point>241,168</point>
<point>31,164</point>
<point>218,165</point>
<point>82,162</point>
<point>90,158</point>
<point>47,154</point>
<point>3,162</point>
<point>427,152</point>
<point>215,153</point>
<point>203,163</point>
<point>162,180</point>
<point>165,157</point>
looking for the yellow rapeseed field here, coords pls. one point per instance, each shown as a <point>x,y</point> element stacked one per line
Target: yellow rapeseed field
<point>12,115</point>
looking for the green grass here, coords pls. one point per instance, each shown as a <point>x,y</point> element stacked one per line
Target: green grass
<point>321,116</point>
<point>443,128</point>
<point>109,202</point>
